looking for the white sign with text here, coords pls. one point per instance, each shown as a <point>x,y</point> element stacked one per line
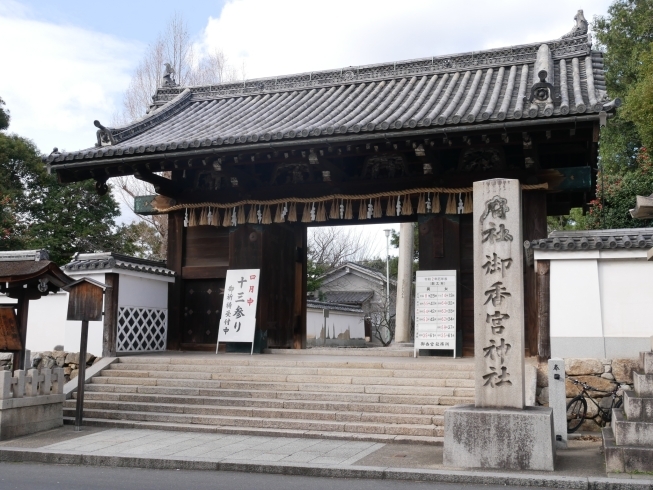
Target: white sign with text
<point>435,310</point>
<point>238,319</point>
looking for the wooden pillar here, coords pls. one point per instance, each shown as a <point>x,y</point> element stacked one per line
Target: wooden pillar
<point>175,263</point>
<point>534,228</point>
<point>543,310</point>
<point>110,327</point>
<point>440,249</point>
<point>301,242</point>
<point>21,316</point>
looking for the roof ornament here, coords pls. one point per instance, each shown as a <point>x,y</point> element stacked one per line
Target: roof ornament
<point>104,136</point>
<point>544,89</point>
<point>580,28</point>
<point>168,76</point>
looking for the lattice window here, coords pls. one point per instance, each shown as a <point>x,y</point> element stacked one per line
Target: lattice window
<point>142,329</point>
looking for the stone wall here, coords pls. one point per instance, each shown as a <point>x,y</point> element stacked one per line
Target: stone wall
<point>602,374</point>
<point>69,361</point>
<point>5,361</point>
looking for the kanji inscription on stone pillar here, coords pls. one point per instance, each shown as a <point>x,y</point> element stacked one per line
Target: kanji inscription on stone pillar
<point>498,294</point>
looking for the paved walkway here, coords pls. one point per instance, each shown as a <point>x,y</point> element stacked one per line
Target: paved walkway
<point>580,466</point>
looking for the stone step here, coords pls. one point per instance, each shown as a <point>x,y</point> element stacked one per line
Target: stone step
<point>631,432</point>
<point>643,384</point>
<point>264,423</point>
<point>637,408</point>
<point>309,434</point>
<point>414,365</point>
<point>364,352</point>
<point>626,459</point>
<point>283,378</point>
<point>287,386</point>
<point>286,395</point>
<point>440,373</point>
<point>153,399</point>
<point>259,412</point>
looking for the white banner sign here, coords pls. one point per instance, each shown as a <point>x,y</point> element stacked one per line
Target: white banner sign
<point>238,319</point>
<point>435,310</point>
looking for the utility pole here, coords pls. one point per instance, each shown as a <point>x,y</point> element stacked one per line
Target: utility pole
<point>387,275</point>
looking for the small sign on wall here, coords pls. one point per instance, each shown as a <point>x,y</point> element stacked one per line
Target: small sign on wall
<point>435,311</point>
<point>238,319</point>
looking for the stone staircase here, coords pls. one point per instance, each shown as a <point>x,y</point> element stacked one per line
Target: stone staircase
<point>373,400</point>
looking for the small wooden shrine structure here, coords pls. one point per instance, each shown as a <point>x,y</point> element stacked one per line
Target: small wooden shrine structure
<point>24,275</point>
<point>242,169</point>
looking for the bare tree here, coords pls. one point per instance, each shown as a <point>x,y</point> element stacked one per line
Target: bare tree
<point>383,320</point>
<point>331,246</point>
<point>174,45</point>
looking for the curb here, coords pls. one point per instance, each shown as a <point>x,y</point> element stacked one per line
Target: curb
<point>367,472</point>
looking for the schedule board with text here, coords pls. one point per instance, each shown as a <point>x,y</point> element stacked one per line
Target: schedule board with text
<point>435,310</point>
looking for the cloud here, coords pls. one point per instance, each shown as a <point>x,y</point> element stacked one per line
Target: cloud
<point>292,36</point>
<point>57,79</point>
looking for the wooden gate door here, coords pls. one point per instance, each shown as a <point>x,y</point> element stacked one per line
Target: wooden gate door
<point>202,310</point>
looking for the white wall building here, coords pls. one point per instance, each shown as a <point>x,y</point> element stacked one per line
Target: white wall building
<point>342,326</point>
<point>601,292</point>
<point>139,322</point>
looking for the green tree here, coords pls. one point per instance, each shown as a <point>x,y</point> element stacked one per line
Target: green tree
<point>626,36</point>
<point>616,196</point>
<point>70,218</point>
<point>39,212</point>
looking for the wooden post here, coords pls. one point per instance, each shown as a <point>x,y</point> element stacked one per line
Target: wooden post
<point>534,227</point>
<point>175,289</point>
<point>81,374</point>
<point>543,311</point>
<point>110,327</point>
<point>21,314</point>
<point>85,303</point>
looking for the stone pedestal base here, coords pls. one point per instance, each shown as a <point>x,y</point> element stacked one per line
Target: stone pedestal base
<point>22,416</point>
<point>624,458</point>
<point>509,439</point>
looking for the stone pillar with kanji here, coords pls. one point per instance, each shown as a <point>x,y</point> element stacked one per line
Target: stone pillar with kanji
<point>499,431</point>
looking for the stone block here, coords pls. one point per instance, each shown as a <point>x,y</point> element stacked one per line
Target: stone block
<point>543,397</point>
<point>508,439</point>
<point>643,384</point>
<point>626,459</point>
<point>622,369</point>
<point>637,408</point>
<point>20,421</point>
<point>73,358</point>
<point>631,432</point>
<point>579,367</point>
<point>646,362</point>
<point>594,381</point>
<point>542,375</point>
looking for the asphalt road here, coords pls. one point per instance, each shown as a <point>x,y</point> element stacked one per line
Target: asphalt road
<point>23,476</point>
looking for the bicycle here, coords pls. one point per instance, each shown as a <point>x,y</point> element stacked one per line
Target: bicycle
<point>577,407</point>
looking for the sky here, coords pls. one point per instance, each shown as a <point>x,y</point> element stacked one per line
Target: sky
<point>65,63</point>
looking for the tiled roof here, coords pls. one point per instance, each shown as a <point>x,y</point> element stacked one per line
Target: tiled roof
<point>347,297</point>
<point>322,305</point>
<point>458,90</point>
<point>110,260</point>
<point>594,240</point>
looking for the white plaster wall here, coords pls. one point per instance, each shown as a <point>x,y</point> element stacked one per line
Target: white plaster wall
<point>627,297</point>
<point>339,319</point>
<point>575,299</point>
<point>143,292</point>
<point>46,321</point>
<point>47,325</point>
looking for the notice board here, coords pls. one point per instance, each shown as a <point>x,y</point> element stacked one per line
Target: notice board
<point>435,311</point>
<point>238,319</point>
